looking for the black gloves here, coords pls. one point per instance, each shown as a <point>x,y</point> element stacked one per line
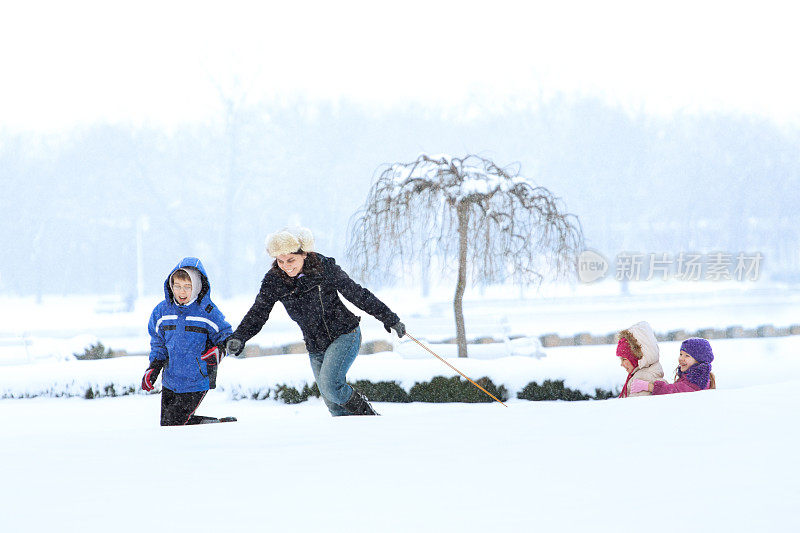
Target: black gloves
<point>399,328</point>
<point>234,346</point>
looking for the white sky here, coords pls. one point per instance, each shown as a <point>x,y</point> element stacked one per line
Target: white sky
<point>68,63</point>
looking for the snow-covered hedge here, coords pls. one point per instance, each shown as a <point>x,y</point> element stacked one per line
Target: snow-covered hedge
<point>581,369</point>
<point>288,378</point>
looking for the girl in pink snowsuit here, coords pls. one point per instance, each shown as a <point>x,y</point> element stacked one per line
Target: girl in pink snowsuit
<point>693,373</point>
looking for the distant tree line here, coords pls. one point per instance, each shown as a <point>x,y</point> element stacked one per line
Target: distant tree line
<point>71,204</point>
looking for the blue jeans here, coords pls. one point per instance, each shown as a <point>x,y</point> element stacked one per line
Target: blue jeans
<point>330,370</point>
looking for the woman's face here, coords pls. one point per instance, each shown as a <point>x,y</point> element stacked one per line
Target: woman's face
<point>292,264</point>
<point>685,361</point>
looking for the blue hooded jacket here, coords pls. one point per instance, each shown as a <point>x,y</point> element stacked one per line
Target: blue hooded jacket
<point>179,334</point>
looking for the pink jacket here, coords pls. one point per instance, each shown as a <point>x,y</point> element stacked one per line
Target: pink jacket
<point>682,385</point>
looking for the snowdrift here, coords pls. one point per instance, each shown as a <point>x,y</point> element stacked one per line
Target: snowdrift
<point>722,460</point>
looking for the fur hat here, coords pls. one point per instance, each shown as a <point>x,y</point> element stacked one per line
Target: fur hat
<point>289,241</point>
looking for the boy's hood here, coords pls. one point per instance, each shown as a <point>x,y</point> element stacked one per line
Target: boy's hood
<point>189,262</point>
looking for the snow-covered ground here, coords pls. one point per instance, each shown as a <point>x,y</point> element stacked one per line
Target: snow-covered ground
<point>721,460</point>
<point>714,460</point>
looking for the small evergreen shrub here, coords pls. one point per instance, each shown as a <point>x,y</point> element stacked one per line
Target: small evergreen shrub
<point>95,351</point>
<point>106,391</point>
<point>291,395</point>
<point>454,389</point>
<point>382,391</point>
<point>288,394</point>
<point>601,394</point>
<point>551,390</point>
<point>260,394</point>
<point>308,392</point>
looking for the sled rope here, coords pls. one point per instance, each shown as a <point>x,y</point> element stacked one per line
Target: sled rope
<point>454,368</point>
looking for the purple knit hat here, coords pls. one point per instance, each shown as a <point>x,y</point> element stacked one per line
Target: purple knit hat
<point>699,349</point>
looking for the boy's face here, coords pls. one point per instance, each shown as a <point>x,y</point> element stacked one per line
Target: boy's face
<point>182,290</point>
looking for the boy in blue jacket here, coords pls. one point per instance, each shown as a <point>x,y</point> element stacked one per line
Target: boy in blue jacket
<point>186,332</point>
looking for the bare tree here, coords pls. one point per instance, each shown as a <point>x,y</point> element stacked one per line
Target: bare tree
<point>491,219</point>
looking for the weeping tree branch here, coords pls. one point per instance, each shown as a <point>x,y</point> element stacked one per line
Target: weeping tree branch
<point>492,222</point>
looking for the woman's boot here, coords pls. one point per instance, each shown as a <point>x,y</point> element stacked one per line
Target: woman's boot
<point>358,404</point>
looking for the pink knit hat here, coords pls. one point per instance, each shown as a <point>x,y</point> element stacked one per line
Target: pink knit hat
<point>624,351</point>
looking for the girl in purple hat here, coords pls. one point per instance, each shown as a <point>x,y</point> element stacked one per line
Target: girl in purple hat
<point>693,372</point>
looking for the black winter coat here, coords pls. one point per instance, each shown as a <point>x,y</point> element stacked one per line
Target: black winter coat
<point>312,300</point>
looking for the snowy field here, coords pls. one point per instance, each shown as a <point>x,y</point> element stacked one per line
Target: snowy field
<point>720,460</point>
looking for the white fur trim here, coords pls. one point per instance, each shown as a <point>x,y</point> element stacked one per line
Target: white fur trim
<point>289,241</point>
<point>643,333</point>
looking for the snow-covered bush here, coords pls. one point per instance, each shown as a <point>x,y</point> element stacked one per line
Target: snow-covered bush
<point>555,390</point>
<point>441,390</point>
<point>383,391</point>
<point>95,351</point>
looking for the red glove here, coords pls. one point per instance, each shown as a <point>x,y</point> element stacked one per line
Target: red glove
<point>151,374</point>
<point>212,356</point>
<point>149,379</point>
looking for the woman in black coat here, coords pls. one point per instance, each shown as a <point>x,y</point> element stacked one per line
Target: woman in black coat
<point>308,285</point>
